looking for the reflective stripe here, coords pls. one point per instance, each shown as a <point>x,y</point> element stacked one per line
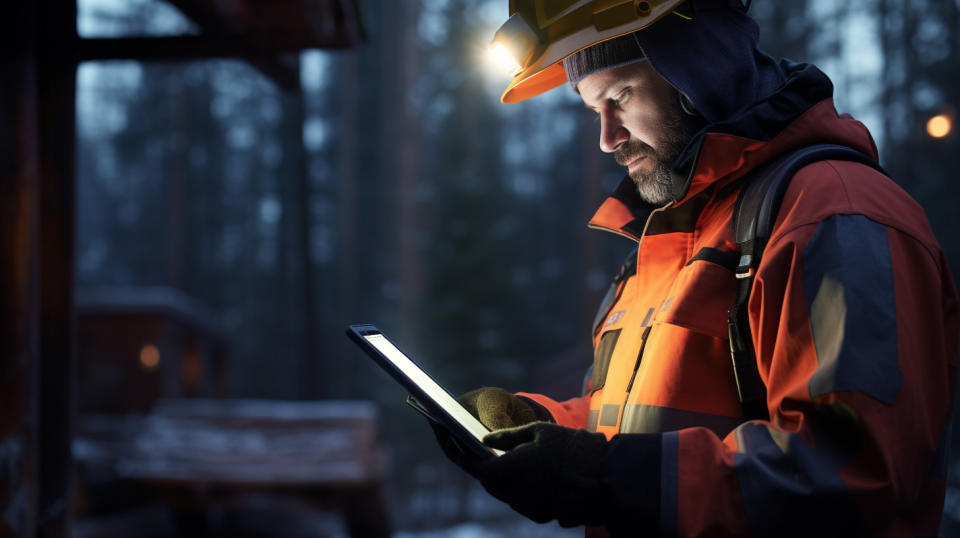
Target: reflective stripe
<point>848,280</point>
<point>609,414</point>
<point>646,320</point>
<point>669,479</point>
<point>592,418</point>
<point>641,418</point>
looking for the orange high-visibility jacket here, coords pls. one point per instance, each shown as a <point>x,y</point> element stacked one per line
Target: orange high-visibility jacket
<point>854,319</point>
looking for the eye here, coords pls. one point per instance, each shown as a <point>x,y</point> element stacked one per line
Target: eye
<point>622,97</point>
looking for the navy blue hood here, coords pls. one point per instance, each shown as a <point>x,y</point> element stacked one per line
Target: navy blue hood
<point>713,59</point>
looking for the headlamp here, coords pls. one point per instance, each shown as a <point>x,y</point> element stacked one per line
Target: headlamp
<point>539,34</point>
<point>514,44</point>
<point>504,61</point>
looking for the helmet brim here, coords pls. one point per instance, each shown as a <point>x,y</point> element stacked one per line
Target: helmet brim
<point>546,72</point>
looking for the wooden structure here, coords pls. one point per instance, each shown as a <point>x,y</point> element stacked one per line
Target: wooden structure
<point>136,345</point>
<point>195,453</point>
<point>39,53</point>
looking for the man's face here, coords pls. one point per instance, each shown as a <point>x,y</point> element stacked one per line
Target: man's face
<point>641,123</point>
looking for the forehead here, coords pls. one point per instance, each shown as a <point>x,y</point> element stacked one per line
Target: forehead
<point>600,85</point>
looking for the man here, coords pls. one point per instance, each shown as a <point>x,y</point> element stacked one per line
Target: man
<point>853,317</point>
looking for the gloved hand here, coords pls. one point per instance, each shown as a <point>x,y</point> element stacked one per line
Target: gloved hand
<point>495,408</point>
<point>548,472</point>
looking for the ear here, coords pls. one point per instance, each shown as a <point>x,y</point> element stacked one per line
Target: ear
<point>687,105</point>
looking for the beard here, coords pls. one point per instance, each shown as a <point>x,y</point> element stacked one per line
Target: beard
<point>657,186</point>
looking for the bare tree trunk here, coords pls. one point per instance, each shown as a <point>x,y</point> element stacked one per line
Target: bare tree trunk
<point>306,291</point>
<point>176,182</point>
<point>591,197</point>
<point>951,19</point>
<point>911,65</point>
<point>887,91</point>
<point>400,142</point>
<point>346,299</point>
<point>408,223</point>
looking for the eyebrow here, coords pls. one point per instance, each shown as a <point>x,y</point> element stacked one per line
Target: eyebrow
<point>606,93</point>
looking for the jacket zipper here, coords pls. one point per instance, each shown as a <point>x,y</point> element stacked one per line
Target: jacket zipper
<point>633,376</point>
<point>646,331</point>
<point>639,240</point>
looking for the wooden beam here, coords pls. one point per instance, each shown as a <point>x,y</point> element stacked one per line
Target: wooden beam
<point>18,271</point>
<point>283,70</point>
<point>273,53</point>
<point>273,56</point>
<point>200,46</point>
<point>56,97</point>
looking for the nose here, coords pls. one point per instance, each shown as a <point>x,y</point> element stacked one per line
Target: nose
<point>612,132</point>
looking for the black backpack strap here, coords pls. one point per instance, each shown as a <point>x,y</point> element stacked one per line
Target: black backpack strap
<point>753,217</point>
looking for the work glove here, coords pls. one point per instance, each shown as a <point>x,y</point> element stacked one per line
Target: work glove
<point>548,472</point>
<point>495,408</point>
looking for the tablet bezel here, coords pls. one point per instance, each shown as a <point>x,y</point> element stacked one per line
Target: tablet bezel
<point>442,412</point>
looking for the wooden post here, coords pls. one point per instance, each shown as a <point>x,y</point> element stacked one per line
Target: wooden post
<point>18,270</point>
<point>56,81</point>
<point>400,144</point>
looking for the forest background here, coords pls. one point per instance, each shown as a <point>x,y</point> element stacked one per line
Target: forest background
<point>396,189</point>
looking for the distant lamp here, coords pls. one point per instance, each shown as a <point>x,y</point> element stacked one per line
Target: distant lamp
<point>939,126</point>
<point>149,357</point>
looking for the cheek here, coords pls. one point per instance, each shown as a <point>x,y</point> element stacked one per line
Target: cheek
<point>646,125</point>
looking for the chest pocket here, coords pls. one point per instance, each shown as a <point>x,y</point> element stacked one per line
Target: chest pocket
<point>703,292</point>
<point>601,358</point>
<point>605,318</point>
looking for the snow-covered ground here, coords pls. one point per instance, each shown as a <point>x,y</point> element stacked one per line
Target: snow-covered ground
<point>495,530</point>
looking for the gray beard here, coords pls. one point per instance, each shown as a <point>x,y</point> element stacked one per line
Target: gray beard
<point>656,186</point>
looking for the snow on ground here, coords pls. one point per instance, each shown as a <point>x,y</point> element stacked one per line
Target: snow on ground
<point>509,529</point>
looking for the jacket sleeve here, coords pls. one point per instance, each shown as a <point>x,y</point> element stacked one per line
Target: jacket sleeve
<point>855,328</point>
<point>571,413</point>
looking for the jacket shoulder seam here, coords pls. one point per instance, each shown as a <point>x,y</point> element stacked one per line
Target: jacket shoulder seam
<point>931,251</point>
<point>851,210</point>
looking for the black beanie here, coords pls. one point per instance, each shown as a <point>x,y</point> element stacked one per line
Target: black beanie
<point>615,52</point>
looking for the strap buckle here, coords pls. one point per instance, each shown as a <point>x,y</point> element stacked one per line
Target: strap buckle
<point>745,266</point>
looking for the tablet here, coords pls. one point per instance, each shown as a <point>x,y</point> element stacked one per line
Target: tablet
<point>438,404</point>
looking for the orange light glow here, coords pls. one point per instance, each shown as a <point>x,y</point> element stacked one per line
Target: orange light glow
<point>149,357</point>
<point>939,126</point>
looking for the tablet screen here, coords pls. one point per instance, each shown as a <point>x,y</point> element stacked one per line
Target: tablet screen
<point>425,382</point>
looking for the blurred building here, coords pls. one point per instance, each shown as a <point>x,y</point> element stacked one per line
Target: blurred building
<point>135,348</point>
<point>137,345</point>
